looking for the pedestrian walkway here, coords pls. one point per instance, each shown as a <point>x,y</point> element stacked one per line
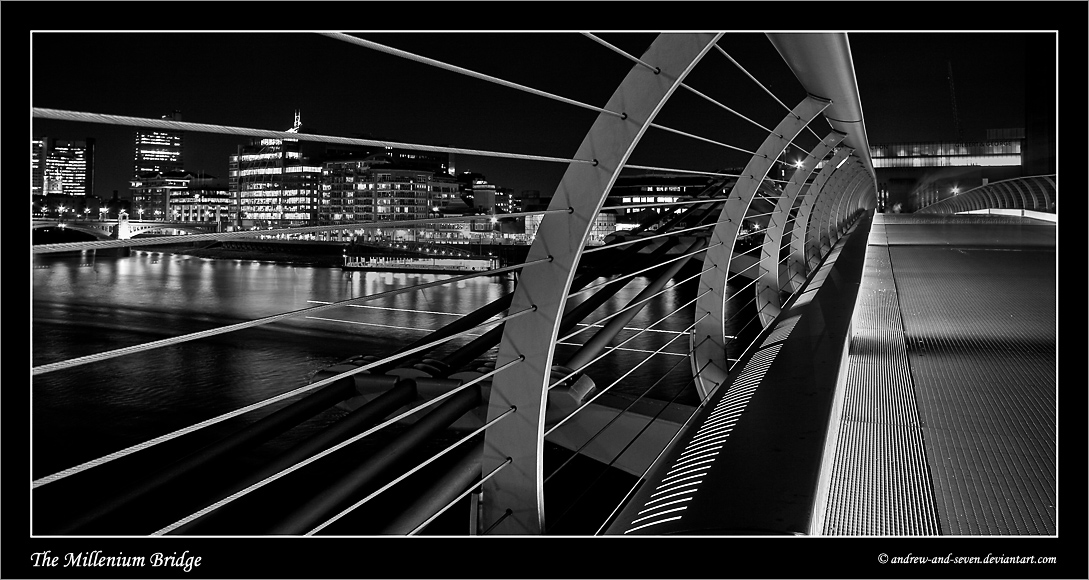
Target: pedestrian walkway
<point>948,417</point>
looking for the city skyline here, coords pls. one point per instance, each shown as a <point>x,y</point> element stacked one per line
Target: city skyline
<point>903,84</point>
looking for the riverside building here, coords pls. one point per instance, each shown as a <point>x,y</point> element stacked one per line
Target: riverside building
<point>62,166</point>
<point>378,189</point>
<point>272,185</point>
<point>157,150</point>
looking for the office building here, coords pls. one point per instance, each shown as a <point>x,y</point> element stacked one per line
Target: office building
<point>158,150</point>
<point>377,189</point>
<point>272,185</point>
<point>62,166</point>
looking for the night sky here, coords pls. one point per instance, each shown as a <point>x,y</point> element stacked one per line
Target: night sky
<point>257,80</point>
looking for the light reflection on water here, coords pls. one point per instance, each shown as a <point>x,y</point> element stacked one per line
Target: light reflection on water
<point>82,307</point>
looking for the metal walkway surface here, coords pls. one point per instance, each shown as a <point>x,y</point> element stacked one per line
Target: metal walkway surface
<point>948,417</point>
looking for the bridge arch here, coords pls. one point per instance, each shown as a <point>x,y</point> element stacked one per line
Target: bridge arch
<point>99,232</point>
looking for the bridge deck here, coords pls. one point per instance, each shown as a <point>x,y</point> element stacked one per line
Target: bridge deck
<point>942,420</point>
<point>948,425</point>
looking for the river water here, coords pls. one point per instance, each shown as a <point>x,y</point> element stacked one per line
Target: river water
<point>85,304</point>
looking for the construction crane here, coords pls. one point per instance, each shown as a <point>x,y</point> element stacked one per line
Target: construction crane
<point>953,98</point>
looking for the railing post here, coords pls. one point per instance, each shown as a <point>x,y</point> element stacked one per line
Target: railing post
<point>710,332</point>
<point>544,287</point>
<point>769,288</point>
<point>819,221</point>
<point>797,265</point>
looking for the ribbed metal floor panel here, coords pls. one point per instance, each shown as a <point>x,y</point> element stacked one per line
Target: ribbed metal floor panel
<point>949,411</point>
<point>880,483</point>
<point>982,346</point>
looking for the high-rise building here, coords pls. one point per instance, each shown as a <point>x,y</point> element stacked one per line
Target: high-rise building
<point>272,185</point>
<point>61,166</point>
<point>37,169</point>
<point>158,150</point>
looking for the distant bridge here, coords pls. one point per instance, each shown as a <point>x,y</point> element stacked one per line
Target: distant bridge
<point>108,229</point>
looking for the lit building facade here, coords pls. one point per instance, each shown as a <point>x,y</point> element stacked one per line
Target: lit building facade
<point>152,194</point>
<point>911,176</point>
<point>604,224</point>
<point>178,196</point>
<point>655,188</point>
<point>487,198</point>
<point>37,167</point>
<point>200,205</point>
<point>273,186</point>
<point>157,150</point>
<point>62,167</point>
<point>374,190</point>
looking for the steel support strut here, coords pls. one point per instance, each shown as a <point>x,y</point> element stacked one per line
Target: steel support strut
<point>709,335</point>
<point>817,236</point>
<point>797,264</point>
<point>769,288</point>
<point>544,287</point>
<point>836,216</point>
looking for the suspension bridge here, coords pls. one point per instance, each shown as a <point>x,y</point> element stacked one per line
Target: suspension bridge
<point>853,372</point>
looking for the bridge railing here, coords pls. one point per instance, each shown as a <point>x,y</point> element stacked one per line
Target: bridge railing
<point>734,252</point>
<point>1038,193</point>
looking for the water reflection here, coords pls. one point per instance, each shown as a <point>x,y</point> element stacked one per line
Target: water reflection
<point>81,308</point>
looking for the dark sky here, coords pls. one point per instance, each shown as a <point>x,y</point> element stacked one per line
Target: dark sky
<point>258,79</point>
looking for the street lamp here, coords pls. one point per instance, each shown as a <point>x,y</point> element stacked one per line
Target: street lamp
<point>140,211</point>
<point>86,212</point>
<point>102,212</point>
<point>60,211</point>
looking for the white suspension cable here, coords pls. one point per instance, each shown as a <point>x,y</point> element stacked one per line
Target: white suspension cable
<point>625,375</point>
<point>644,270</point>
<point>635,328</point>
<point>738,275</point>
<point>423,525</point>
<point>735,315</point>
<point>407,474</point>
<point>457,69</point>
<point>742,69</point>
<point>61,115</point>
<point>332,449</point>
<point>645,392</point>
<point>643,350</point>
<point>229,415</point>
<point>261,321</point>
<point>747,348</point>
<point>714,102</point>
<point>600,41</point>
<point>668,445</point>
<point>704,139</point>
<point>369,307</point>
<point>761,85</point>
<point>667,169</point>
<point>633,305</point>
<point>645,238</point>
<point>626,341</point>
<point>665,204</point>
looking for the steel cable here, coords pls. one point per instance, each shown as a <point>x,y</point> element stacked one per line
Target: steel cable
<point>260,321</point>
<point>336,447</point>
